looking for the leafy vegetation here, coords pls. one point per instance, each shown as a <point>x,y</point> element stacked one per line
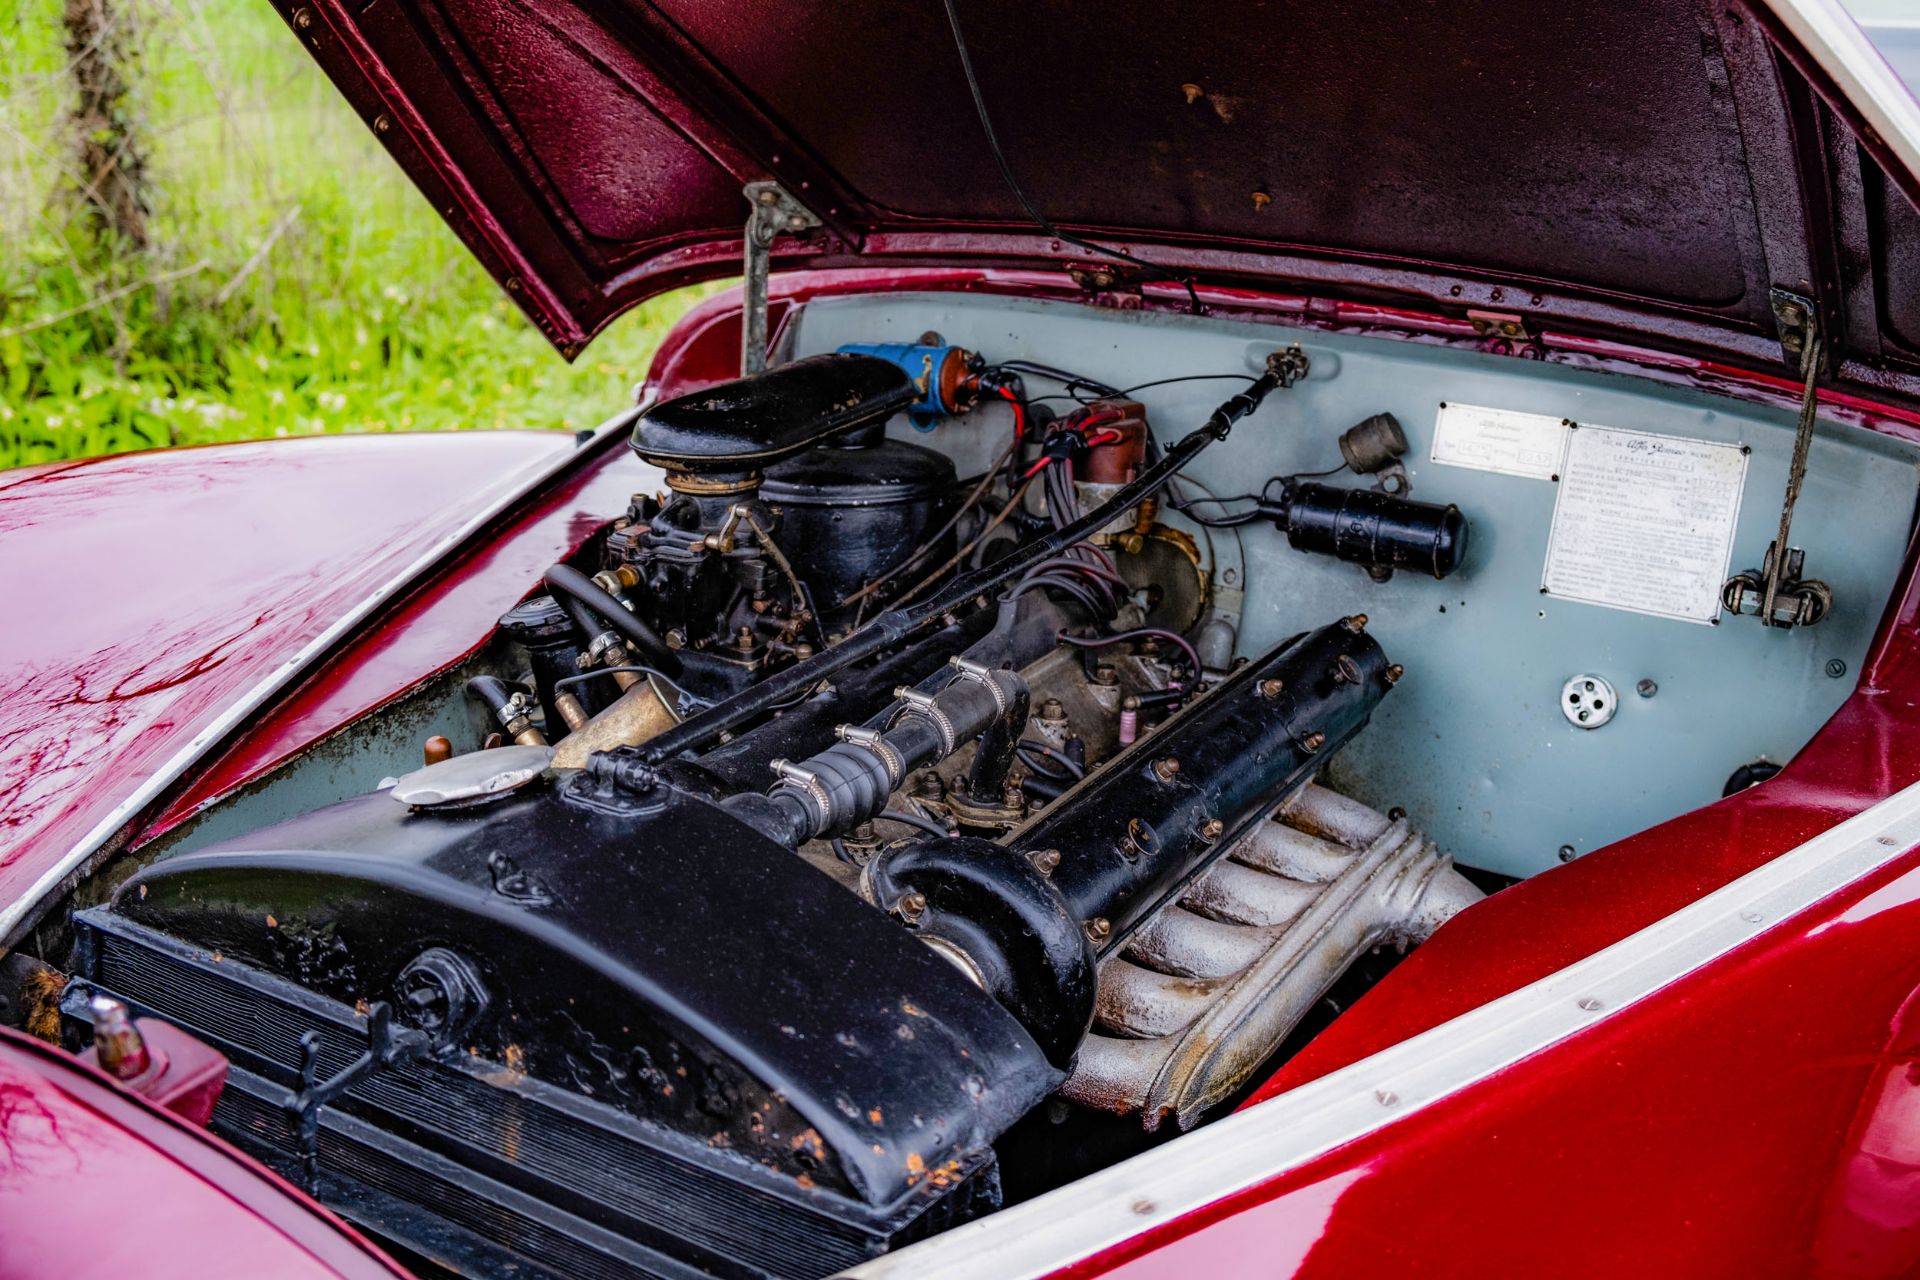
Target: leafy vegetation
<point>296,282</point>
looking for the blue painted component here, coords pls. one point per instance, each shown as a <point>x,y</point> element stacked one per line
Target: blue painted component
<point>923,364</point>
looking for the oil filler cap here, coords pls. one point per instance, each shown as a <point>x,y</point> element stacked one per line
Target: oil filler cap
<point>473,778</point>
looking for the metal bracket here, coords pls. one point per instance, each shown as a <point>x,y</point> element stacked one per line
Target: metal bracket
<point>774,211</point>
<point>1776,592</point>
<point>1797,322</point>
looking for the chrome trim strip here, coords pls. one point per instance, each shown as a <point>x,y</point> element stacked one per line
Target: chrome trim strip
<point>1088,1217</point>
<point>1833,39</point>
<point>15,914</point>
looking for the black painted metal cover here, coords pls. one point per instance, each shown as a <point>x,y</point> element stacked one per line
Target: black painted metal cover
<point>664,992</point>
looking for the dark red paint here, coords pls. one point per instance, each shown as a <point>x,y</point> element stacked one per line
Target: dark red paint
<point>182,1075</point>
<point>1479,155</point>
<point>97,1184</point>
<point>145,592</point>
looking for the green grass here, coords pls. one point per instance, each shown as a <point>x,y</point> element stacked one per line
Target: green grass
<point>366,314</point>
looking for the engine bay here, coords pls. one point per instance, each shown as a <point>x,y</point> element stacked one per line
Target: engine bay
<point>983,746</point>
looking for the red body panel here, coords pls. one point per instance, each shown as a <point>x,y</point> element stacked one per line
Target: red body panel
<point>96,1183</point>
<point>146,592</point>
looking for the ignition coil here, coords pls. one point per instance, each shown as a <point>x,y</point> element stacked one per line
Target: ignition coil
<point>1378,531</point>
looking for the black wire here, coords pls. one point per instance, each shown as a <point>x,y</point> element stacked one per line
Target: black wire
<point>1006,171</point>
<point>1033,744</point>
<point>915,820</point>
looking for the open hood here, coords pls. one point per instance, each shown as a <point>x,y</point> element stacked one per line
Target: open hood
<point>1651,167</point>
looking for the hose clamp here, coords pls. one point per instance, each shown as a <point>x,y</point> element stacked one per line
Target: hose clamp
<point>982,675</point>
<point>928,707</point>
<point>799,778</point>
<point>872,740</point>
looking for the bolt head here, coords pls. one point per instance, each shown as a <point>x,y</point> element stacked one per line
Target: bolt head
<point>1314,741</point>
<point>1646,688</point>
<point>1211,829</point>
<point>1272,687</point>
<point>1166,768</point>
<point>912,905</point>
<point>1099,929</point>
<point>1045,860</point>
<point>1394,673</point>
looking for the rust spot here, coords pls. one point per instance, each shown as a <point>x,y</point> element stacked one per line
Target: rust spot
<point>875,1116</point>
<point>360,1008</point>
<point>271,922</point>
<point>804,1182</point>
<point>808,1142</point>
<point>217,958</point>
<point>516,1059</point>
<point>879,1150</point>
<point>720,1140</point>
<point>912,1010</point>
<point>666,1091</point>
<point>916,1168</point>
<point>143,892</point>
<point>904,1031</point>
<point>946,1175</point>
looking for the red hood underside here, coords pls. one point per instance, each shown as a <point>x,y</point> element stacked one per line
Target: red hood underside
<point>1612,163</point>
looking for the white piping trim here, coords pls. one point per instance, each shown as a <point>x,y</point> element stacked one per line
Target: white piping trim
<point>502,495</point>
<point>1112,1206</point>
<point>1833,39</point>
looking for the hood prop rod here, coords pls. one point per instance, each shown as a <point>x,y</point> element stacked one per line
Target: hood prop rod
<point>1284,368</point>
<point>774,211</point>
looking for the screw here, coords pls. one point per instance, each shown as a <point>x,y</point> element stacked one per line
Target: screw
<point>1836,668</point>
<point>1394,673</point>
<point>382,123</point>
<point>1272,687</point>
<point>1261,200</point>
<point>1356,624</point>
<point>911,906</point>
<point>303,18</point>
<point>1313,741</point>
<point>1590,1003</point>
<point>1566,853</point>
<point>1210,829</point>
<point>1165,768</point>
<point>1045,860</point>
<point>1346,670</point>
<point>1099,928</point>
<point>1646,688</point>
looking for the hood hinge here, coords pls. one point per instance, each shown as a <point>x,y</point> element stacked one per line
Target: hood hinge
<point>774,211</point>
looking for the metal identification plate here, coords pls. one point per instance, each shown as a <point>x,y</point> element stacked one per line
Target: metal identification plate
<point>1644,522</point>
<point>1514,444</point>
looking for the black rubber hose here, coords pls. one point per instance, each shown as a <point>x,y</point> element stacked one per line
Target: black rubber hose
<point>582,598</point>
<point>493,693</point>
